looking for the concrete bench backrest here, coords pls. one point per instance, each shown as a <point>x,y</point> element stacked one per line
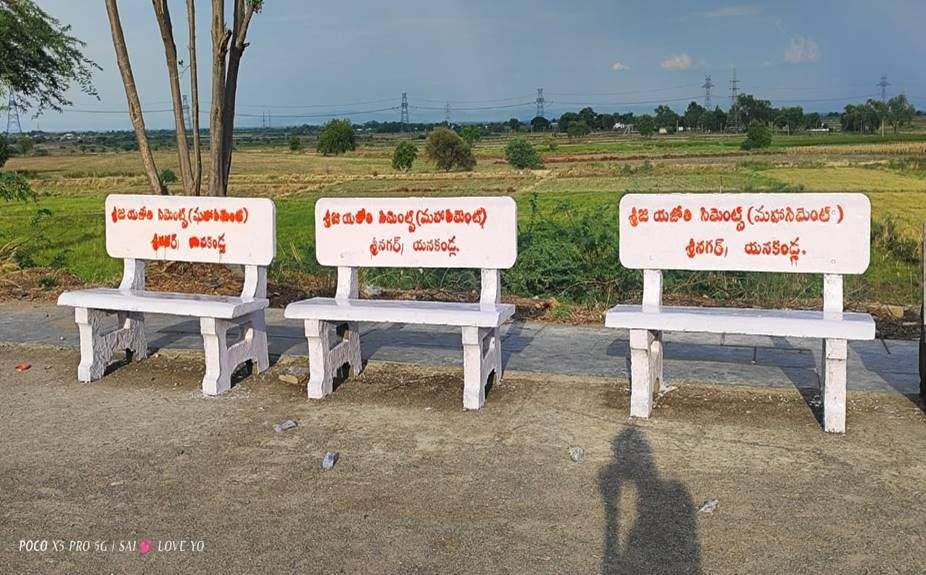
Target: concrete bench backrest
<point>466,232</point>
<point>793,232</point>
<point>191,229</point>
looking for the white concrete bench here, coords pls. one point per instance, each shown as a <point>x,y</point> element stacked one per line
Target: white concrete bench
<point>239,231</point>
<point>796,233</point>
<point>350,233</point>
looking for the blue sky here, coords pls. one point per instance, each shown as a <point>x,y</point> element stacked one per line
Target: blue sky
<point>317,58</point>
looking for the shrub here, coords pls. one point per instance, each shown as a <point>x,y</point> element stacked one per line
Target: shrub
<point>25,144</point>
<point>757,136</point>
<point>447,150</point>
<point>521,154</point>
<point>167,177</point>
<point>404,156</point>
<point>471,134</point>
<point>336,137</point>
<point>550,143</point>
<point>295,143</point>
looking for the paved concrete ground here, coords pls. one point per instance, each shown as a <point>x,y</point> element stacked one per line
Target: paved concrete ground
<point>881,365</point>
<point>422,486</point>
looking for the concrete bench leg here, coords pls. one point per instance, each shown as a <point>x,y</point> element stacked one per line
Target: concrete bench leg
<point>835,353</point>
<point>481,357</point>
<point>325,360</point>
<point>222,359</point>
<point>97,346</point>
<point>645,370</point>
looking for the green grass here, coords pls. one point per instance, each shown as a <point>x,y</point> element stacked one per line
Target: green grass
<point>567,212</point>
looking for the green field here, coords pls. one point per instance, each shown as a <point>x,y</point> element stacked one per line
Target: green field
<point>567,211</point>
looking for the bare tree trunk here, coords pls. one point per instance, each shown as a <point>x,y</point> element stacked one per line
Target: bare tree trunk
<point>220,40</point>
<point>243,13</point>
<point>194,100</point>
<point>131,94</point>
<point>162,14</point>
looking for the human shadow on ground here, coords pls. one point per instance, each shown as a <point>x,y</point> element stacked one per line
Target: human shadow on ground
<point>662,537</point>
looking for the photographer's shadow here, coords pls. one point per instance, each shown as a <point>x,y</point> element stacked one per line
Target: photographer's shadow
<point>661,535</point>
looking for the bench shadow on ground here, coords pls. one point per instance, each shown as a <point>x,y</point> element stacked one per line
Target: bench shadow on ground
<point>796,364</point>
<point>661,536</point>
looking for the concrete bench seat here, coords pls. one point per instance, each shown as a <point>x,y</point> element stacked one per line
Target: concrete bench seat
<point>237,231</point>
<point>780,323</point>
<point>463,233</point>
<point>171,303</point>
<point>402,311</point>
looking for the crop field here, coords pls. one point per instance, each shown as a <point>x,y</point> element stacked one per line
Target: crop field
<point>567,210</point>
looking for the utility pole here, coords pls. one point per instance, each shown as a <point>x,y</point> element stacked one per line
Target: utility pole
<point>12,115</point>
<point>883,84</point>
<point>404,114</point>
<point>540,101</point>
<point>734,91</point>
<point>707,85</point>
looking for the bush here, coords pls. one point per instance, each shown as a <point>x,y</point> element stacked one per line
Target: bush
<point>471,134</point>
<point>521,154</point>
<point>25,144</point>
<point>295,143</point>
<point>757,136</point>
<point>404,155</point>
<point>337,137</point>
<point>14,186</point>
<point>550,143</point>
<point>167,177</point>
<point>447,150</point>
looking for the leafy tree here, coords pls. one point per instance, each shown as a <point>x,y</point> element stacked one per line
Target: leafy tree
<point>666,118</point>
<point>750,108</point>
<point>812,120</point>
<point>39,59</point>
<point>605,122</point>
<point>714,121</point>
<point>757,136</point>
<point>859,118</point>
<point>521,154</point>
<point>791,118</point>
<point>540,124</point>
<point>24,144</point>
<point>513,124</point>
<point>471,134</point>
<point>900,112</point>
<point>578,128</point>
<point>447,150</point>
<point>336,137</point>
<point>567,120</point>
<point>404,156</point>
<point>646,125</point>
<point>589,116</point>
<point>693,115</point>
<point>295,143</point>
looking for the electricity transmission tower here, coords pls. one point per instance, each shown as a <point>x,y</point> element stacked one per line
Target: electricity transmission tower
<point>404,114</point>
<point>447,113</point>
<point>12,115</point>
<point>186,110</point>
<point>540,102</point>
<point>883,84</point>
<point>734,91</point>
<point>707,91</point>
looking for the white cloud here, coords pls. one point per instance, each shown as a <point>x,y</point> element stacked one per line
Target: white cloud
<point>619,66</point>
<point>802,49</point>
<point>677,62</point>
<point>734,11</point>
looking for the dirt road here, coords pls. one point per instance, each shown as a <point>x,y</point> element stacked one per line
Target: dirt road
<point>423,487</point>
